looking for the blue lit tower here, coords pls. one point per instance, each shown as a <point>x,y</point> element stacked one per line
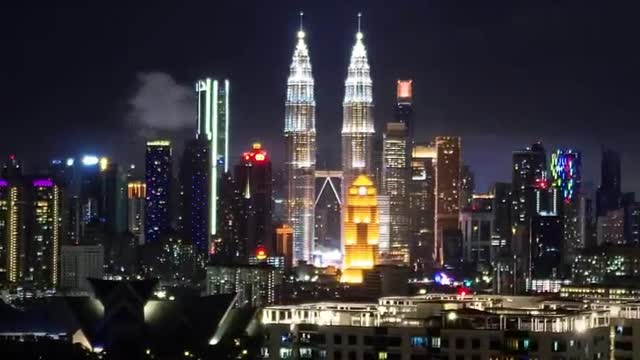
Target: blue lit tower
<point>213,127</point>
<point>300,151</point>
<point>158,180</point>
<point>194,170</point>
<point>357,120</point>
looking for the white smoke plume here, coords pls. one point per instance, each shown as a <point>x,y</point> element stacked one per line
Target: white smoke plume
<point>161,104</point>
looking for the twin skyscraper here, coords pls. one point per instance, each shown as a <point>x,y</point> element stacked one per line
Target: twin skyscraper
<point>300,134</point>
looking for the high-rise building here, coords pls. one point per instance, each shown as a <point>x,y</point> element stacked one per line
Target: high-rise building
<point>114,195</point>
<point>404,105</point>
<point>136,205</point>
<point>328,207</point>
<point>42,228</point>
<point>566,175</point>
<point>501,236</point>
<point>394,184</point>
<point>300,151</point>
<point>361,230</point>
<point>529,179</point>
<point>467,187</point>
<point>78,263</point>
<point>477,226</point>
<point>357,121</point>
<point>228,247</point>
<point>194,184</point>
<point>213,127</point>
<point>610,190</point>
<point>421,206</point>
<point>158,177</point>
<point>255,285</point>
<point>14,240</point>
<point>384,228</point>
<point>255,182</point>
<point>546,247</point>
<point>447,189</point>
<point>284,244</point>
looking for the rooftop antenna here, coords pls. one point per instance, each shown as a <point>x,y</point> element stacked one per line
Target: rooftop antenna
<point>359,19</point>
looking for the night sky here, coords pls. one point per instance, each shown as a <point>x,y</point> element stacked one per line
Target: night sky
<point>102,78</point>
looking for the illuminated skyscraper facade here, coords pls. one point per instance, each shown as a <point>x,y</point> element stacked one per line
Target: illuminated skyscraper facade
<point>357,121</point>
<point>43,233</point>
<point>394,185</point>
<point>300,151</point>
<point>529,178</point>
<point>136,204</point>
<point>404,105</point>
<point>213,127</point>
<point>447,189</point>
<point>361,229</point>
<point>254,181</point>
<point>421,206</point>
<point>566,178</point>
<point>158,177</point>
<point>194,191</point>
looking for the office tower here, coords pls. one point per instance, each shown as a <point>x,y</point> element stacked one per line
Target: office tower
<point>78,263</point>
<point>90,194</point>
<point>194,186</point>
<point>360,230</point>
<point>228,247</point>
<point>384,228</point>
<point>213,127</point>
<point>421,207</point>
<point>114,197</point>
<point>6,240</point>
<point>136,205</point>
<point>467,187</point>
<point>529,177</point>
<point>566,176</point>
<point>284,244</point>
<point>300,150</point>
<point>447,189</point>
<point>501,235</point>
<point>255,285</point>
<point>328,207</point>
<point>546,246</point>
<point>394,185</point>
<point>609,192</point>
<point>404,105</point>
<point>476,225</point>
<point>254,180</point>
<point>42,198</point>
<point>357,121</point>
<point>158,177</point>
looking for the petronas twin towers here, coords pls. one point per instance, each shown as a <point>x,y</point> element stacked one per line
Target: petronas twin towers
<point>300,136</point>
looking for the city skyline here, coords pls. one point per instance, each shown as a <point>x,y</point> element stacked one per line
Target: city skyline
<point>564,107</point>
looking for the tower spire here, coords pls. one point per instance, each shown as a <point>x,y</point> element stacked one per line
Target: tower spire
<point>359,21</point>
<point>301,18</point>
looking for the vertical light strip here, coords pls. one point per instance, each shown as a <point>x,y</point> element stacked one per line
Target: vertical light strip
<point>213,204</point>
<point>13,235</point>
<point>55,266</point>
<point>226,126</point>
<point>207,119</point>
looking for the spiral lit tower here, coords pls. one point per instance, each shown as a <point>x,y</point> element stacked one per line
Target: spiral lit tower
<point>357,120</point>
<point>300,137</point>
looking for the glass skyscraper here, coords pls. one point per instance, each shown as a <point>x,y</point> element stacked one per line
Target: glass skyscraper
<point>213,126</point>
<point>357,121</point>
<point>158,181</point>
<point>300,151</point>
